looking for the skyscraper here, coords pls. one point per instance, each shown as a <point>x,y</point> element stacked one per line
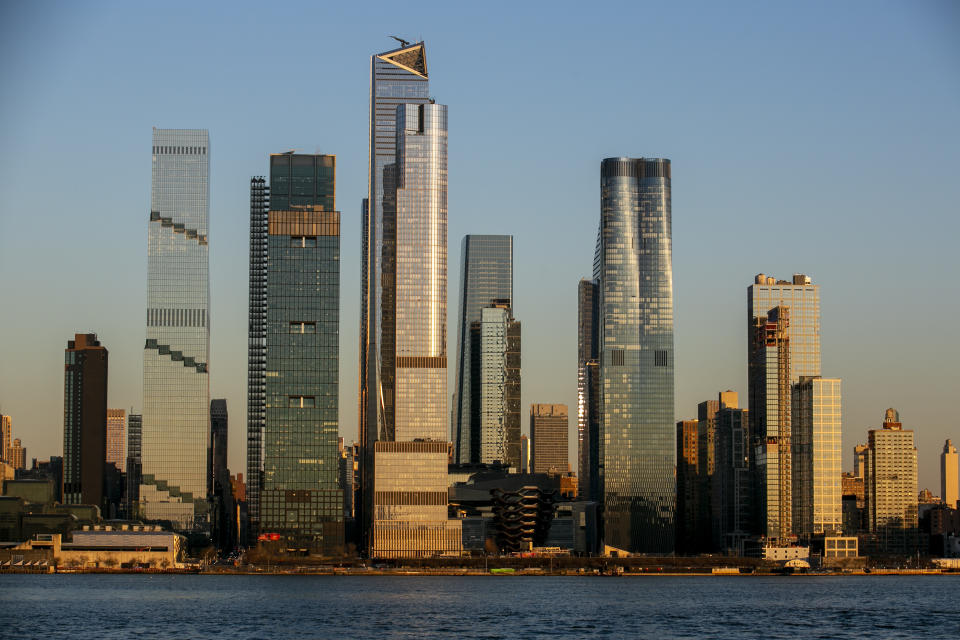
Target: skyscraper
<point>732,494</point>
<point>688,495</point>
<point>633,269</point>
<point>781,348</point>
<point>549,441</point>
<point>816,451</point>
<point>495,387</point>
<point>890,485</point>
<point>397,77</point>
<point>588,391</point>
<point>410,463</point>
<point>176,384</point>
<point>6,432</point>
<point>256,349</point>
<point>134,462</point>
<point>949,475</point>
<point>116,437</point>
<point>218,442</point>
<point>486,274</point>
<point>18,455</point>
<point>84,420</point>
<point>769,385</point>
<point>300,498</point>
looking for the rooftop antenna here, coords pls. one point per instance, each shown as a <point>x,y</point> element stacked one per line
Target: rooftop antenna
<point>403,43</point>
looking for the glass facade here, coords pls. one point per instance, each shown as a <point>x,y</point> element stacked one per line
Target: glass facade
<point>633,269</point>
<point>802,298</point>
<point>731,499</point>
<point>486,274</point>
<point>815,447</point>
<point>256,348</point>
<point>301,498</point>
<point>176,386</point>
<point>588,390</point>
<point>497,352</point>
<point>413,354</point>
<point>397,77</point>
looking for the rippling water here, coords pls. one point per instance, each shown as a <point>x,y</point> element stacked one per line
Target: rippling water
<point>193,606</point>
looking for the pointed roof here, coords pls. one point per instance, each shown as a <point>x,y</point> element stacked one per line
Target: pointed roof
<point>412,59</point>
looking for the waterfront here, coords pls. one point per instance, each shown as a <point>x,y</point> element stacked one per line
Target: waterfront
<point>201,606</point>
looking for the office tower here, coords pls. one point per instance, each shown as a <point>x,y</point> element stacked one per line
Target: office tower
<point>218,442</point>
<point>688,490</point>
<point>588,391</point>
<point>816,450</point>
<point>176,382</point>
<point>18,455</point>
<point>486,274</point>
<point>6,432</point>
<point>770,395</point>
<point>495,384</point>
<point>397,77</point>
<point>300,498</point>
<point>633,270</point>
<point>802,298</point>
<point>732,492</point>
<point>949,475</point>
<point>524,454</point>
<point>256,348</point>
<point>134,463</point>
<point>116,437</point>
<point>84,420</point>
<point>411,459</point>
<point>890,484</point>
<point>548,434</point>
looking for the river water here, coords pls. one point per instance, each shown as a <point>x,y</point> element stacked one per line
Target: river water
<point>423,608</point>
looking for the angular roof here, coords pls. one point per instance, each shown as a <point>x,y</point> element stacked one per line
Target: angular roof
<point>412,59</point>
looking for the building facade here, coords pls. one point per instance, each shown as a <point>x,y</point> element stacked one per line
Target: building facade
<point>549,440</point>
<point>218,441</point>
<point>588,391</point>
<point>732,492</point>
<point>300,498</point>
<point>633,269</point>
<point>410,521</point>
<point>176,356</point>
<point>816,450</point>
<point>486,274</point>
<point>495,385</point>
<point>134,463</point>
<point>949,475</point>
<point>688,480</point>
<point>890,485</point>
<point>256,348</point>
<point>397,77</point>
<point>84,420</point>
<point>116,437</point>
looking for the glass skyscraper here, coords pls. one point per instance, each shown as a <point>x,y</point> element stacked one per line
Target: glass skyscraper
<point>397,77</point>
<point>486,274</point>
<point>588,391</point>
<point>176,387</point>
<point>411,460</point>
<point>782,347</point>
<point>633,269</point>
<point>815,446</point>
<point>300,497</point>
<point>495,341</point>
<point>256,348</point>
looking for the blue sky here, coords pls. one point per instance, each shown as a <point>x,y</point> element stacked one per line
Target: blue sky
<point>806,137</point>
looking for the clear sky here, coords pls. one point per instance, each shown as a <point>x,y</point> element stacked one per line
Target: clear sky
<point>814,137</point>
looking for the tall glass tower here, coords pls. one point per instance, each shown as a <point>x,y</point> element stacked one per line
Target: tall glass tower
<point>300,498</point>
<point>588,390</point>
<point>486,274</point>
<point>633,269</point>
<point>411,459</point>
<point>176,386</point>
<point>256,349</point>
<point>397,77</point>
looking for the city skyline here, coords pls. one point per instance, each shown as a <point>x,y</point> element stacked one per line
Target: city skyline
<point>878,371</point>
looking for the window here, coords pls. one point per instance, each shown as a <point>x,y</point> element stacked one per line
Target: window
<point>660,358</point>
<point>301,402</point>
<point>303,241</point>
<point>303,327</point>
<point>617,357</point>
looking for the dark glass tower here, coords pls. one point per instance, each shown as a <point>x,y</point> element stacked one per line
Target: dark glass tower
<point>588,390</point>
<point>134,463</point>
<point>300,498</point>
<point>256,349</point>
<point>486,275</point>
<point>633,269</point>
<point>84,420</point>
